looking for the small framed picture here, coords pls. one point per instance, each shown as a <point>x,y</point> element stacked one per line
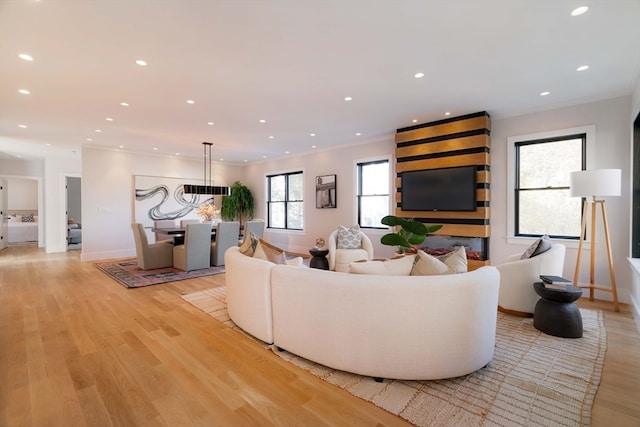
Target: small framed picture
<point>326,191</point>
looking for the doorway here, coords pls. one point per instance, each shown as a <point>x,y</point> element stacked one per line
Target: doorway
<point>74,213</point>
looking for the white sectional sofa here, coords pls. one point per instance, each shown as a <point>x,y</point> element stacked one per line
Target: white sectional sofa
<point>402,327</point>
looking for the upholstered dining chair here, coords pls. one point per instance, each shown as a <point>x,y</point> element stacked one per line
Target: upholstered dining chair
<point>226,236</point>
<point>339,258</point>
<point>185,222</point>
<point>517,276</point>
<point>160,237</point>
<point>194,254</point>
<point>255,226</point>
<point>154,255</point>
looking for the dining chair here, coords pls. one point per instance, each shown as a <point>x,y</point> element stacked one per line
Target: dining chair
<point>160,237</point>
<point>194,253</point>
<point>226,236</point>
<point>255,226</point>
<point>185,222</point>
<point>154,255</point>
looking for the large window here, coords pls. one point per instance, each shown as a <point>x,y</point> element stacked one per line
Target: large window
<point>285,201</point>
<point>541,193</point>
<point>373,193</point>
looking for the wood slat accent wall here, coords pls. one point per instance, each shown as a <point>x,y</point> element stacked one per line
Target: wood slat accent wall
<point>458,141</point>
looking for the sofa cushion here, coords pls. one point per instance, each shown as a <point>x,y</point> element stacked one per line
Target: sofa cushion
<point>297,261</point>
<point>397,266</point>
<point>349,238</point>
<point>539,246</point>
<point>452,263</point>
<point>268,252</point>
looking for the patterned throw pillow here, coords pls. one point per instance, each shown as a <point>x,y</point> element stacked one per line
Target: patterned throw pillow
<point>27,217</point>
<point>249,245</point>
<point>349,238</point>
<point>451,263</point>
<point>539,246</point>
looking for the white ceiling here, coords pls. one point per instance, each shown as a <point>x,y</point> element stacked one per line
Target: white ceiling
<point>292,63</point>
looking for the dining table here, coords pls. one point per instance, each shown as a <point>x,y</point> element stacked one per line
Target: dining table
<point>177,234</point>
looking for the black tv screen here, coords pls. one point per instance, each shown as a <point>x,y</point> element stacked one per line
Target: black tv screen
<point>446,189</point>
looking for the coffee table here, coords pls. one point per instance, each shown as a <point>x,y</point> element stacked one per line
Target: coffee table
<point>555,313</point>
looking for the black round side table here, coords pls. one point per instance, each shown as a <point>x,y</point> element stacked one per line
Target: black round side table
<point>319,258</point>
<point>555,313</point>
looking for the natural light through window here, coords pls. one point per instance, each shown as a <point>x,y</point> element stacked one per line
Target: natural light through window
<point>373,193</point>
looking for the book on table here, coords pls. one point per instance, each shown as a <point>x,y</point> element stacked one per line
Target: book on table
<point>555,282</point>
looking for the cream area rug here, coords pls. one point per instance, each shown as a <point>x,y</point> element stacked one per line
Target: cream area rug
<point>533,380</point>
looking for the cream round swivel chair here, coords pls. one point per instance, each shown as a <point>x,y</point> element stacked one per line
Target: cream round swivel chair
<point>517,277</point>
<point>339,259</point>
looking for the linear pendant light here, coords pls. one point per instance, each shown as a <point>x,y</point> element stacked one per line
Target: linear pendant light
<point>207,188</point>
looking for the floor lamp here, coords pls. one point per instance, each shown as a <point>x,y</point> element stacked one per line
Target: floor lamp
<point>594,183</point>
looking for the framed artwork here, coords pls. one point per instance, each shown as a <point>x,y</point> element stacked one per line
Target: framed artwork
<point>326,191</point>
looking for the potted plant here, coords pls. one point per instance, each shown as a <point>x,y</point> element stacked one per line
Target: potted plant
<point>408,234</point>
<point>239,204</point>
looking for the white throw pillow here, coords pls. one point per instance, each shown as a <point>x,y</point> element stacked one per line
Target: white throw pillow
<point>349,238</point>
<point>451,263</point>
<point>297,261</point>
<point>539,246</point>
<point>398,266</point>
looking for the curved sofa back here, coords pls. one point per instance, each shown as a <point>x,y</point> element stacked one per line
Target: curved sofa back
<point>403,327</point>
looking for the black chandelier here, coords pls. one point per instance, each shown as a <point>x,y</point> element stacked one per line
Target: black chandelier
<point>207,188</point>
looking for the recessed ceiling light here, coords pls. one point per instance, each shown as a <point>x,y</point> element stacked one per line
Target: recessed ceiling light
<point>262,121</point>
<point>245,160</point>
<point>122,146</point>
<point>109,119</point>
<point>210,123</point>
<point>221,159</point>
<point>48,144</point>
<point>124,104</point>
<point>286,152</point>
<point>348,98</point>
<point>155,148</point>
<point>271,136</point>
<point>190,101</point>
<point>264,157</point>
<point>418,75</point>
<point>448,113</point>
<point>19,156</point>
<point>22,126</point>
<point>89,139</point>
<point>98,130</point>
<point>26,57</point>
<point>414,121</point>
<point>545,93</point>
<point>24,91</point>
<point>582,68</point>
<point>358,134</point>
<point>141,63</point>
<point>579,11</point>
<point>313,146</point>
<point>312,134</point>
<point>177,154</point>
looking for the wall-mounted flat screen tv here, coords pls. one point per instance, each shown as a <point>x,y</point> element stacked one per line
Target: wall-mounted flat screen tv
<point>445,189</point>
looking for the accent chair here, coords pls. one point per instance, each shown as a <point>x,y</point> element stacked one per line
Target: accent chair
<point>194,254</point>
<point>154,255</point>
<point>226,236</point>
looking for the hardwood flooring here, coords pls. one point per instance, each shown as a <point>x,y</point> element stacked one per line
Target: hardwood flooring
<point>79,349</point>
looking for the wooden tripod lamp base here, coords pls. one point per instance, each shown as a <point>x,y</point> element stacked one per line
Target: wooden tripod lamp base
<point>602,182</point>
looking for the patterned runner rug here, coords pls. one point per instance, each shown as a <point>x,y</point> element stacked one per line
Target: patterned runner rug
<point>533,380</point>
<point>127,273</point>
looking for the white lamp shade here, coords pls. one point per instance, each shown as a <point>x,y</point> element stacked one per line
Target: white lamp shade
<point>596,182</point>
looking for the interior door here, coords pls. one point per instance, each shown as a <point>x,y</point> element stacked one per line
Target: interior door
<point>4,227</point>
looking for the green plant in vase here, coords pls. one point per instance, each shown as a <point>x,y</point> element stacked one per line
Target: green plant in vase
<point>409,232</point>
<point>239,204</point>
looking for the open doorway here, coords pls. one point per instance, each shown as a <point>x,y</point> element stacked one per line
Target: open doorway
<point>74,213</point>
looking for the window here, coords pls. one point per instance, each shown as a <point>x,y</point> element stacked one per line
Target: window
<point>373,193</point>
<point>285,201</point>
<point>542,202</point>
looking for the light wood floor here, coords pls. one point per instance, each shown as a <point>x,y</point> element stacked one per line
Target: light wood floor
<point>78,349</point>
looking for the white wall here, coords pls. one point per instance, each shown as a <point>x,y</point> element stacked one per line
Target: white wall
<point>107,195</point>
<point>321,222</point>
<point>22,194</point>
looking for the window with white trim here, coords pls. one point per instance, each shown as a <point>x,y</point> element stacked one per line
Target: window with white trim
<point>285,201</point>
<point>542,203</point>
<point>372,193</point>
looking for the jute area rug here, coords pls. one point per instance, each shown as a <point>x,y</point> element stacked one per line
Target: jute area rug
<point>533,380</point>
<point>127,273</point>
